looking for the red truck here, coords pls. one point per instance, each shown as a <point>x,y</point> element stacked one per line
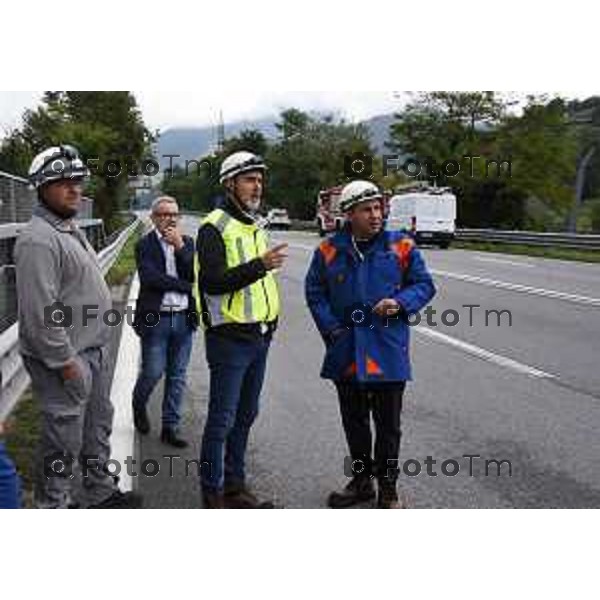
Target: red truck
<point>329,217</point>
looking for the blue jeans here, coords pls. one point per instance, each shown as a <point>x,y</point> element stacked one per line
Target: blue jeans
<point>10,486</point>
<point>237,371</point>
<point>166,350</point>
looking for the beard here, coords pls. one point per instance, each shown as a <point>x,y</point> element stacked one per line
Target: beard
<point>253,204</point>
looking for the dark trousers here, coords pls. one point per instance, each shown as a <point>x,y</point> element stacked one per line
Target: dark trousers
<point>384,403</point>
<point>237,371</point>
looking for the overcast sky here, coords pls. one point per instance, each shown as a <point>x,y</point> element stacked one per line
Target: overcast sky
<point>168,109</point>
<point>196,108</point>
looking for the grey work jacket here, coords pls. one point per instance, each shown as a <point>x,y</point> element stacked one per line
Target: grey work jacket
<point>56,264</point>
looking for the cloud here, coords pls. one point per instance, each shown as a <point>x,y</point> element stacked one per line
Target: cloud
<point>181,108</point>
<point>12,105</point>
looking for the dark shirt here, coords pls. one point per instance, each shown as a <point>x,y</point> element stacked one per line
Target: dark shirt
<point>364,245</point>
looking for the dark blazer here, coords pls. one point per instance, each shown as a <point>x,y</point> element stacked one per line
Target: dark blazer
<point>154,281</point>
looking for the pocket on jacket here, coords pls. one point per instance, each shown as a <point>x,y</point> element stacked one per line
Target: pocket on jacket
<point>339,356</point>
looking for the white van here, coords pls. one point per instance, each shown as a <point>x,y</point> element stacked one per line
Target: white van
<point>429,214</point>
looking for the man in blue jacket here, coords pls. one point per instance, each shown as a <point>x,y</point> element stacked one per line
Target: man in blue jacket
<point>361,287</point>
<point>165,318</point>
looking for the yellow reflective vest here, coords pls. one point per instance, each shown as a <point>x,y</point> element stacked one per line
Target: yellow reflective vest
<point>257,303</point>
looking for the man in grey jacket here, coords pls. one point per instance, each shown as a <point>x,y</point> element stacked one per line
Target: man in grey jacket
<point>64,339</point>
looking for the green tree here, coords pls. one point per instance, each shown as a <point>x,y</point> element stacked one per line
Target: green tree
<point>540,145</point>
<point>104,126</point>
<point>543,146</point>
<point>250,140</point>
<point>307,157</point>
<point>310,156</point>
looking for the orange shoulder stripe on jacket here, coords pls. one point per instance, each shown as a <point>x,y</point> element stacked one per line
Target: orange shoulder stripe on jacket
<point>373,368</point>
<point>329,252</point>
<point>402,249</point>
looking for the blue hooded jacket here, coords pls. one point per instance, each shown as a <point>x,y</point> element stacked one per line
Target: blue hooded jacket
<point>343,286</point>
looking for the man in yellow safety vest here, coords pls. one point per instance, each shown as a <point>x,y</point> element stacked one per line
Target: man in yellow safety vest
<point>240,310</point>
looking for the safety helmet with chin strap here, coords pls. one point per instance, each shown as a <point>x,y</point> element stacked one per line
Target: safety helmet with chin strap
<point>241,162</point>
<point>57,163</point>
<point>356,193</point>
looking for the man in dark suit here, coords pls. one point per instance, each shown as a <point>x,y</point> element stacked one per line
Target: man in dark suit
<point>165,318</point>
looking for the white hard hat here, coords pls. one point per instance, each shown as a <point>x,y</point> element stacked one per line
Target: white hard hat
<point>241,162</point>
<point>358,192</point>
<point>56,163</point>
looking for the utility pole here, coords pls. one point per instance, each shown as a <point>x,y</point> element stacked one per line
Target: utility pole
<point>220,134</point>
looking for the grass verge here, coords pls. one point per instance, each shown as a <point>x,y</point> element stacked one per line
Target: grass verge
<point>125,266</point>
<point>22,435</point>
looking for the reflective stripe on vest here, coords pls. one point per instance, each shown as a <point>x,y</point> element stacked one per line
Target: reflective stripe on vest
<point>256,303</point>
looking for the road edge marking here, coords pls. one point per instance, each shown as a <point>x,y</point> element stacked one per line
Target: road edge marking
<point>481,353</point>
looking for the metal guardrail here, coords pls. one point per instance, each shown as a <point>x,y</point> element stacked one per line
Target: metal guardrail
<point>94,231</point>
<point>546,240</point>
<point>12,230</point>
<point>13,377</point>
<point>528,238</point>
<point>18,199</point>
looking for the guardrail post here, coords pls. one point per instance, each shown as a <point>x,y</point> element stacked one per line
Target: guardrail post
<point>12,200</point>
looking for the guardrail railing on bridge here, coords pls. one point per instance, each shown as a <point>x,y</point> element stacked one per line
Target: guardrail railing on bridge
<point>17,200</point>
<point>528,238</point>
<point>13,377</point>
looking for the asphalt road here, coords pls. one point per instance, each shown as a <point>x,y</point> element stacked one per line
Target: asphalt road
<point>527,393</point>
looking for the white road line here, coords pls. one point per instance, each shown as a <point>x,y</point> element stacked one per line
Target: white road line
<point>478,352</point>
<point>501,261</point>
<point>503,285</point>
<point>516,287</point>
<point>122,440</point>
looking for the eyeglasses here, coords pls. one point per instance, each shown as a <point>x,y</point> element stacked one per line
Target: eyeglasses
<point>167,215</point>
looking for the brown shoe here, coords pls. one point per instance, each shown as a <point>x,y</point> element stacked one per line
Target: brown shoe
<point>388,497</point>
<point>212,500</point>
<point>359,491</point>
<point>241,498</point>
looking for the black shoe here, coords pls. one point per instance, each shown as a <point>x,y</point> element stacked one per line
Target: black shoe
<point>140,420</point>
<point>388,496</point>
<point>169,437</point>
<point>358,491</point>
<point>119,500</point>
<point>240,497</point>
